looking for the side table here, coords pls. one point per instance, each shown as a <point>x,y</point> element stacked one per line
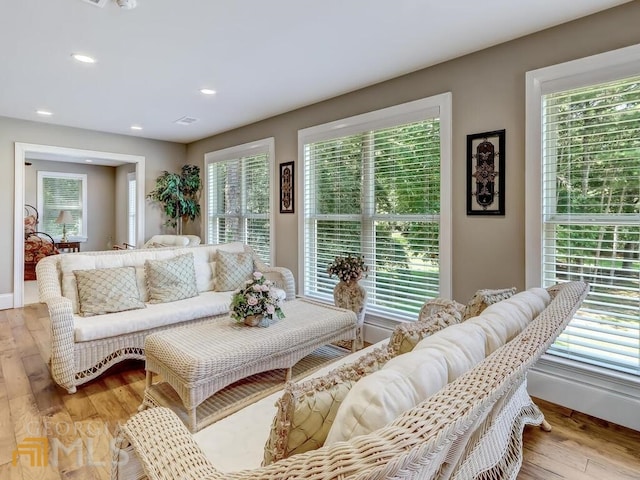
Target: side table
<point>68,246</point>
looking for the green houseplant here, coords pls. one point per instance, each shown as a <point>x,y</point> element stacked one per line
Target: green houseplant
<point>178,193</point>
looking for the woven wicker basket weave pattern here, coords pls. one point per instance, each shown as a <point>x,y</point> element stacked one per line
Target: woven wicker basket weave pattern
<point>432,440</point>
<point>199,360</point>
<point>75,363</point>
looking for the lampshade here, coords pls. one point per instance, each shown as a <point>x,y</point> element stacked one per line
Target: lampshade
<point>64,217</point>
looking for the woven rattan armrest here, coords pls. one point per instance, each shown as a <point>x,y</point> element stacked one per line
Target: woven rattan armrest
<point>164,446</point>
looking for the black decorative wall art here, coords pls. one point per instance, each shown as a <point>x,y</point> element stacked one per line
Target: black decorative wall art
<point>485,173</point>
<point>286,188</point>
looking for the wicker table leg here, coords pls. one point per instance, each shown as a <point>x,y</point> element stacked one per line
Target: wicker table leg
<point>287,376</point>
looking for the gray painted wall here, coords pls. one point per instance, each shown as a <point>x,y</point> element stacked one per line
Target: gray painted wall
<point>488,90</point>
<point>159,156</point>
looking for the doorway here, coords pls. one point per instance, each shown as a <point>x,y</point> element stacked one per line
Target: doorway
<point>23,151</point>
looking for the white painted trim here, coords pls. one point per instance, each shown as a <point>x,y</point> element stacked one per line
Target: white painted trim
<point>21,152</point>
<point>595,391</point>
<point>6,301</point>
<point>375,333</point>
<point>435,106</point>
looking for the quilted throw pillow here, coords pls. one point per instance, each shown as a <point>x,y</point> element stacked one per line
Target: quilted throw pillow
<point>483,298</point>
<point>172,279</point>
<point>307,409</point>
<point>107,290</point>
<point>407,335</point>
<point>232,270</point>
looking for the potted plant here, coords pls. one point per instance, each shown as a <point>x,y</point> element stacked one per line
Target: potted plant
<point>178,193</point>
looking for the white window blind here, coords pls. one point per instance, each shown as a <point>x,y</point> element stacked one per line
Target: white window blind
<point>131,208</point>
<point>239,196</point>
<point>591,217</point>
<point>376,192</point>
<point>62,191</point>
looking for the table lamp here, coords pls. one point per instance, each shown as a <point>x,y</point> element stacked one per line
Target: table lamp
<point>64,217</point>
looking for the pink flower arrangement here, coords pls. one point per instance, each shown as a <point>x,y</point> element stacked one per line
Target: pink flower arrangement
<point>258,297</point>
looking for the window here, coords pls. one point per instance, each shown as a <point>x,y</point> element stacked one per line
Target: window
<point>587,151</point>
<point>131,208</point>
<point>239,196</point>
<point>59,191</point>
<point>379,185</point>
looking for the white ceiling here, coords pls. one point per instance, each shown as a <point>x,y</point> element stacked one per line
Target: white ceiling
<point>263,57</point>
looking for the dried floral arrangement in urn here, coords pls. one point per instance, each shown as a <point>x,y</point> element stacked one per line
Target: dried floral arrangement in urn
<point>257,302</point>
<point>349,268</point>
<point>348,293</point>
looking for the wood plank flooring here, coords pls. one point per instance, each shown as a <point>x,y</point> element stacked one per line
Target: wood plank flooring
<point>80,427</point>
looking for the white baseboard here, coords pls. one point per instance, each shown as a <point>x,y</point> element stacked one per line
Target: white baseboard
<point>6,301</point>
<point>610,397</point>
<point>375,333</point>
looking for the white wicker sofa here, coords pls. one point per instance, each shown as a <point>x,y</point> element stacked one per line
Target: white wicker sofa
<point>84,347</point>
<point>470,428</point>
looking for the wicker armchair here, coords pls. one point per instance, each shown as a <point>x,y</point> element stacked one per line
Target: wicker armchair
<point>37,245</point>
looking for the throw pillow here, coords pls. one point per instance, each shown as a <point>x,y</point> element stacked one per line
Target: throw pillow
<point>406,335</point>
<point>232,270</point>
<point>437,304</point>
<point>483,298</point>
<point>307,409</point>
<point>107,290</point>
<point>378,399</point>
<point>171,279</point>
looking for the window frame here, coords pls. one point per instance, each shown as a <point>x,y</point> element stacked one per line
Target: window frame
<point>82,177</point>
<point>397,115</point>
<point>267,146</point>
<point>593,70</point>
<point>131,208</point>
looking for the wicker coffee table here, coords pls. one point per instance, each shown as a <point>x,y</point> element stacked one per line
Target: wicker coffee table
<point>199,360</point>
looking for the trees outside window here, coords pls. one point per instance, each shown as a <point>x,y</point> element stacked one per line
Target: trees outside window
<point>239,185</point>
<point>373,187</point>
<point>589,222</point>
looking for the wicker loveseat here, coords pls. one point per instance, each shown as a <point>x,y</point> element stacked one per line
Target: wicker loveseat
<point>471,428</point>
<point>84,347</point>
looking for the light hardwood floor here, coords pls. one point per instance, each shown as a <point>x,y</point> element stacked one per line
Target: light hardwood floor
<point>80,427</point>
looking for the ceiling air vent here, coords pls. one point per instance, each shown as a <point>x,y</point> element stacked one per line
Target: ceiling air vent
<point>97,3</point>
<point>186,121</point>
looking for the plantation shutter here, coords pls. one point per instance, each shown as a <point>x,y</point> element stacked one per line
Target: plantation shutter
<point>591,217</point>
<point>239,198</point>
<point>376,192</point>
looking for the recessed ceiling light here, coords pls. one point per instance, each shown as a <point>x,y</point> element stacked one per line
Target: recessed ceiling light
<point>83,58</point>
<point>207,91</point>
<point>136,127</point>
<point>45,113</point>
<point>88,160</point>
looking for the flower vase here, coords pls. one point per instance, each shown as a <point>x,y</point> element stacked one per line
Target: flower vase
<point>253,320</point>
<point>352,296</point>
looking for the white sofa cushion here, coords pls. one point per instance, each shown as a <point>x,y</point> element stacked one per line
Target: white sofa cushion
<point>504,320</point>
<point>462,348</point>
<point>155,315</point>
<point>380,397</point>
